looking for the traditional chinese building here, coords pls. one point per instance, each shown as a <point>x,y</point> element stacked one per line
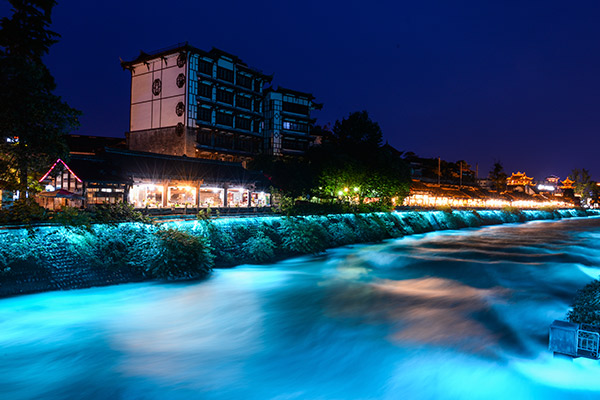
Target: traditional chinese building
<point>149,180</point>
<point>210,104</point>
<point>519,179</point>
<point>567,189</point>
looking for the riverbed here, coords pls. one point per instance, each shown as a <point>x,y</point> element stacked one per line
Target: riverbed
<point>452,314</point>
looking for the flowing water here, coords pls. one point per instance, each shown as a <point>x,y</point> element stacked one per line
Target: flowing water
<point>446,315</point>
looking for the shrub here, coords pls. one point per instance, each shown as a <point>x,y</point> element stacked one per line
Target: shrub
<point>446,209</point>
<point>180,256</point>
<point>586,308</point>
<point>222,243</point>
<point>271,231</point>
<point>207,214</point>
<point>25,211</point>
<point>71,216</point>
<point>16,250</point>
<point>119,212</point>
<point>369,228</point>
<point>304,235</point>
<point>259,248</point>
<point>242,232</point>
<point>341,234</point>
<point>121,246</point>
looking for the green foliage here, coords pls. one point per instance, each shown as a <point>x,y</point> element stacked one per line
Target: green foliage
<point>242,232</point>
<point>28,211</point>
<point>327,207</point>
<point>115,213</point>
<point>585,187</point>
<point>272,232</point>
<point>348,168</point>
<point>117,246</point>
<point>16,251</point>
<point>304,236</point>
<point>181,255</point>
<point>340,232</point>
<point>282,202</point>
<point>514,211</point>
<point>446,209</point>
<point>71,216</point>
<point>370,228</point>
<point>204,215</point>
<point>586,308</point>
<point>259,248</point>
<point>159,253</point>
<point>24,211</point>
<point>222,243</point>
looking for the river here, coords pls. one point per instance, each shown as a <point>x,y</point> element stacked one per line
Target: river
<point>444,315</point>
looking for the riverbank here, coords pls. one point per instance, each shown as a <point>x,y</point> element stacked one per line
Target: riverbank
<point>60,258</point>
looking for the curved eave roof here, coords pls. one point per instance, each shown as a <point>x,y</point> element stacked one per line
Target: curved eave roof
<point>214,54</point>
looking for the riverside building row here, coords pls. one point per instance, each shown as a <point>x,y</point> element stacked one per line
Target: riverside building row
<point>196,118</point>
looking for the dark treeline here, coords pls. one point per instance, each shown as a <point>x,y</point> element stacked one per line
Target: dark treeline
<point>350,168</point>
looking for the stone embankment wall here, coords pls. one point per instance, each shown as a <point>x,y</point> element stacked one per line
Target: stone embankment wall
<point>51,257</point>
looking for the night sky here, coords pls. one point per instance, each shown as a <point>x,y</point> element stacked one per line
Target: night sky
<point>514,81</point>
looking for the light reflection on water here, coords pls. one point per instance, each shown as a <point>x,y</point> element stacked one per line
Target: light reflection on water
<point>460,314</point>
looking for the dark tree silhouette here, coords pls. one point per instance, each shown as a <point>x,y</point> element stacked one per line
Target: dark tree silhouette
<point>498,176</point>
<point>33,120</point>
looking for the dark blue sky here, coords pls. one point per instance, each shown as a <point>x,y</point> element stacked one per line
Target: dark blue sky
<point>515,81</point>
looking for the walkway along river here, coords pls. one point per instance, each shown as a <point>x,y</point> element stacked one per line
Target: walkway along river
<point>453,314</point>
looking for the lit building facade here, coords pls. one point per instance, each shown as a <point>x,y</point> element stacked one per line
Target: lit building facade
<point>287,121</point>
<point>149,180</point>
<point>212,105</point>
<point>520,182</point>
<point>186,101</point>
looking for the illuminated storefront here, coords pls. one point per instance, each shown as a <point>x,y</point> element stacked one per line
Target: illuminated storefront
<point>158,181</point>
<point>237,197</point>
<point>146,195</point>
<point>212,197</point>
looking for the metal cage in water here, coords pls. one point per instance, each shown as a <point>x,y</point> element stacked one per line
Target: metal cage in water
<point>575,340</point>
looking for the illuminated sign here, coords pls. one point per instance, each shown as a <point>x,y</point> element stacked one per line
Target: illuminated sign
<point>546,187</point>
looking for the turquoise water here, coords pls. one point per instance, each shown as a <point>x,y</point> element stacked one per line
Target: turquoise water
<point>453,315</point>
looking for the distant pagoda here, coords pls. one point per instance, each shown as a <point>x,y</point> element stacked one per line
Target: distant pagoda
<point>567,184</point>
<point>519,179</point>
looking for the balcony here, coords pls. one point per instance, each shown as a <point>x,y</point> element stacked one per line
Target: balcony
<point>228,142</point>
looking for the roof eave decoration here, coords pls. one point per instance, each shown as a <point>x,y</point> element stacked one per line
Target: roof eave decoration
<point>567,184</point>
<point>54,166</point>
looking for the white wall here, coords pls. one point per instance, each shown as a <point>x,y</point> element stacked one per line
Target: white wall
<point>149,111</point>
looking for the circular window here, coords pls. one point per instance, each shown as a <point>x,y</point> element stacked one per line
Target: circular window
<point>181,60</point>
<point>179,109</point>
<point>180,80</point>
<point>156,87</point>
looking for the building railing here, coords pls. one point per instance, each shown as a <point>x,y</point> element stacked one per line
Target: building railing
<point>226,141</point>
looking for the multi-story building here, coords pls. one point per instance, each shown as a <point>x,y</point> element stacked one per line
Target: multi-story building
<point>186,101</point>
<point>287,120</point>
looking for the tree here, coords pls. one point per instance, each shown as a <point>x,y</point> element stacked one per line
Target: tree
<point>355,165</point>
<point>349,165</point>
<point>585,187</point>
<point>33,120</point>
<point>358,134</point>
<point>498,176</point>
